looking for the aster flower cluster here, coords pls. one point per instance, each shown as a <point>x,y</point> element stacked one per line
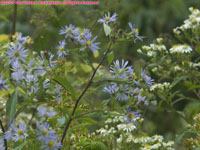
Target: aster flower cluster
<point>154,50</point>
<point>124,134</point>
<point>84,38</point>
<point>16,133</point>
<point>181,48</point>
<point>192,23</point>
<point>47,136</point>
<point>123,72</point>
<point>160,86</point>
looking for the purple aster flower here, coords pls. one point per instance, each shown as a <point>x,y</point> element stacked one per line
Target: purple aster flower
<point>51,61</point>
<point>141,100</point>
<point>111,89</point>
<point>135,32</point>
<point>18,133</point>
<point>83,35</point>
<point>30,79</point>
<point>21,39</point>
<point>132,116</point>
<point>122,94</point>
<point>69,31</point>
<point>107,18</point>
<point>43,112</point>
<point>146,78</point>
<point>120,71</point>
<point>51,143</point>
<point>61,53</point>
<point>18,72</point>
<point>3,83</point>
<point>43,131</point>
<point>39,71</point>
<point>136,90</point>
<point>16,52</point>
<point>90,43</point>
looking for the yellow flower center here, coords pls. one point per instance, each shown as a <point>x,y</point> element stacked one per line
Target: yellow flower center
<point>147,146</point>
<point>68,30</point>
<point>19,132</point>
<point>44,132</point>
<point>134,75</point>
<point>129,125</point>
<point>51,143</point>
<point>61,49</point>
<point>195,10</point>
<point>88,43</point>
<point>16,54</point>
<point>131,116</point>
<point>107,18</point>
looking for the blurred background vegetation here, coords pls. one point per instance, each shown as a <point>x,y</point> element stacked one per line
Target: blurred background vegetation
<point>154,18</point>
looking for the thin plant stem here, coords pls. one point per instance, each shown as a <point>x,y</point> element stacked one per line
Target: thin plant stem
<point>83,93</point>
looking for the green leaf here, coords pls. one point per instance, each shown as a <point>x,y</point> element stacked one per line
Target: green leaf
<point>20,146</point>
<point>178,79</point>
<point>11,105</point>
<point>104,103</point>
<point>107,29</point>
<point>179,137</point>
<point>65,83</point>
<point>110,57</point>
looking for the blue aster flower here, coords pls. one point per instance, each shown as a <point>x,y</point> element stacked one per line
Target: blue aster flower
<point>123,92</point>
<point>107,18</point>
<point>20,132</point>
<point>135,32</point>
<point>111,89</point>
<point>51,143</point>
<point>120,71</point>
<point>18,72</point>
<point>149,81</point>
<point>69,31</point>
<point>44,113</point>
<point>90,43</point>
<point>21,39</point>
<point>3,83</point>
<point>16,133</point>
<point>132,116</point>
<point>141,100</point>
<point>83,35</point>
<point>61,52</point>
<point>16,52</point>
<point>43,131</point>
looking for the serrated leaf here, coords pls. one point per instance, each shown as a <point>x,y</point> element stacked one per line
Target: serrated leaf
<point>11,105</point>
<point>107,29</point>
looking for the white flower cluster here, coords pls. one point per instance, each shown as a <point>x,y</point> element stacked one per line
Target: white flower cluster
<point>147,143</point>
<point>191,23</point>
<point>160,86</point>
<point>153,49</point>
<point>180,48</point>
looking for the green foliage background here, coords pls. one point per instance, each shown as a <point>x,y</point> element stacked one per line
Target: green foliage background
<point>154,18</point>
